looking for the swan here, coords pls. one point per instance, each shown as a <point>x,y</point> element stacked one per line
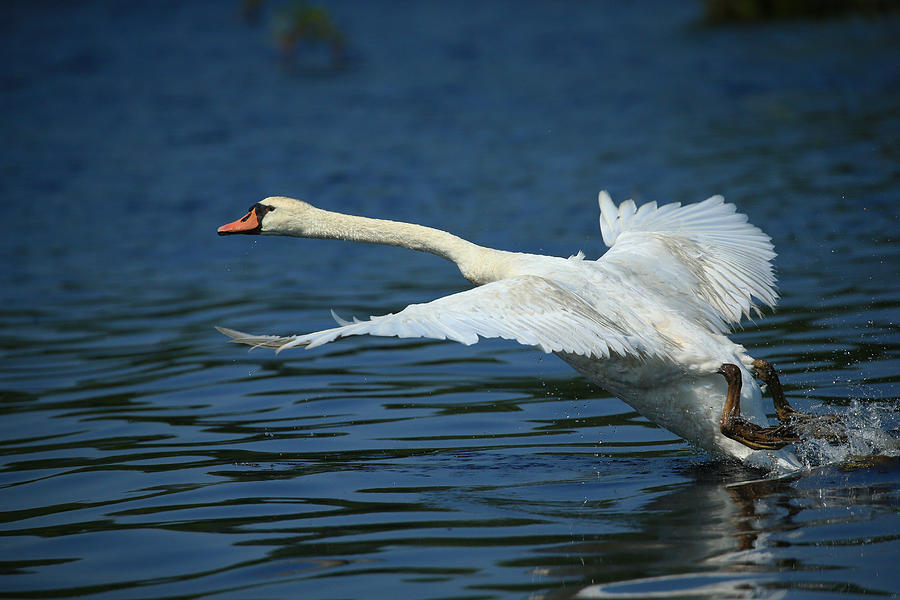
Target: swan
<point>647,321</point>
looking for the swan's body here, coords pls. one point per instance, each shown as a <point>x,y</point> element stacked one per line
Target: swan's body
<point>646,321</point>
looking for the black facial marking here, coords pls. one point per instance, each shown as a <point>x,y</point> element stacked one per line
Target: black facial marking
<point>261,209</point>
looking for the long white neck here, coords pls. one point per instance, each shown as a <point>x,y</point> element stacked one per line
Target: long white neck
<point>477,263</point>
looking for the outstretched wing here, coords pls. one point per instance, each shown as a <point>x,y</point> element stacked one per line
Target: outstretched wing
<point>528,309</point>
<point>704,257</point>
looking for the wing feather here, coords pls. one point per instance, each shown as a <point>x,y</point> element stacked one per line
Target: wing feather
<point>531,310</point>
<point>706,256</point>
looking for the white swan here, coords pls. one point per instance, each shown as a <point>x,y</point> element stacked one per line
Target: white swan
<point>646,321</point>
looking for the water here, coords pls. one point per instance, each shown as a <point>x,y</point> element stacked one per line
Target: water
<point>145,457</point>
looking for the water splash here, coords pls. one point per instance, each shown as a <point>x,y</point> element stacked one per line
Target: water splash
<point>869,430</point>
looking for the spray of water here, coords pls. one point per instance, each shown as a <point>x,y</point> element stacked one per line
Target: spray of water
<point>867,430</point>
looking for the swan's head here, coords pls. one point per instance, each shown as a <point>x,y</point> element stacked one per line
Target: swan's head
<point>273,216</point>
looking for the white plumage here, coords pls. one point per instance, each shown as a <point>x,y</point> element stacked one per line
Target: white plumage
<point>646,321</point>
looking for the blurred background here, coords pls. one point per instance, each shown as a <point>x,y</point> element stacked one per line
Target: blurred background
<point>143,456</point>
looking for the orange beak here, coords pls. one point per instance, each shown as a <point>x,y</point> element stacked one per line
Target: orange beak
<point>249,223</point>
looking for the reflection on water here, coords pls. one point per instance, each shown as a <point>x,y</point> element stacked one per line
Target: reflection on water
<point>745,537</point>
<point>142,456</point>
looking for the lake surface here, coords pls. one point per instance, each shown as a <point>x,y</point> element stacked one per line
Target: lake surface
<point>144,457</point>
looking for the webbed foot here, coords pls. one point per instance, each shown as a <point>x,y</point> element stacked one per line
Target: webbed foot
<point>736,427</point>
<point>823,427</point>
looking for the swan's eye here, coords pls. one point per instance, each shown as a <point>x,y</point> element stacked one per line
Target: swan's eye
<point>261,209</point>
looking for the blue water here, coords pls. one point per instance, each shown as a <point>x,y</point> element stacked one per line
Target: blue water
<point>145,457</point>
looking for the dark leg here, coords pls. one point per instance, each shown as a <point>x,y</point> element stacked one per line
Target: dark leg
<point>734,426</point>
<point>818,426</point>
<point>766,372</point>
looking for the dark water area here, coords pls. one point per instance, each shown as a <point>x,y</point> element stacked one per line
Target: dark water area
<point>144,457</point>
